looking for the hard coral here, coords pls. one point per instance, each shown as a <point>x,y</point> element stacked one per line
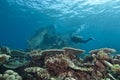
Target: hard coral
<point>114,67</point>
<point>3,58</point>
<point>35,58</point>
<point>60,64</point>
<point>73,66</point>
<point>102,53</point>
<point>106,50</point>
<point>10,75</point>
<point>52,52</point>
<point>39,72</point>
<point>72,51</point>
<point>35,54</point>
<point>57,65</point>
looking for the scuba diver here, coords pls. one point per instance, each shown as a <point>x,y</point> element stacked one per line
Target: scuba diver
<point>79,39</point>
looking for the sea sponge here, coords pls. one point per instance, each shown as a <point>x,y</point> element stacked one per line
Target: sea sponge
<point>3,58</point>
<point>11,75</point>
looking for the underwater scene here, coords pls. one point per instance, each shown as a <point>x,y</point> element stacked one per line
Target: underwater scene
<point>59,39</point>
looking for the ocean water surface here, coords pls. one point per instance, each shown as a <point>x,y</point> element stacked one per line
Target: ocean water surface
<point>19,19</point>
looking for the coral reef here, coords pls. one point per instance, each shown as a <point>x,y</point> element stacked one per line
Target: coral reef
<point>10,75</point>
<point>3,58</point>
<point>59,64</point>
<point>40,73</point>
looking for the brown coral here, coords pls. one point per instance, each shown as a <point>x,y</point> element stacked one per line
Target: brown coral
<point>57,65</point>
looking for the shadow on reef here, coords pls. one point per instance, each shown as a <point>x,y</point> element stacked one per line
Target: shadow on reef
<point>59,64</point>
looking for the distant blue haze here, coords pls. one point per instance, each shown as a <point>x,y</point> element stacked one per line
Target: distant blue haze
<point>19,19</point>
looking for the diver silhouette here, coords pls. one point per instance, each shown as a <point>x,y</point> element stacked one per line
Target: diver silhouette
<point>79,39</point>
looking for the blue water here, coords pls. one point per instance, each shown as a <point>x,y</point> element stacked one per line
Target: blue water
<point>19,19</point>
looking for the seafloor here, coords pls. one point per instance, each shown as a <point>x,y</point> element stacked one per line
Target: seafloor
<point>59,64</point>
